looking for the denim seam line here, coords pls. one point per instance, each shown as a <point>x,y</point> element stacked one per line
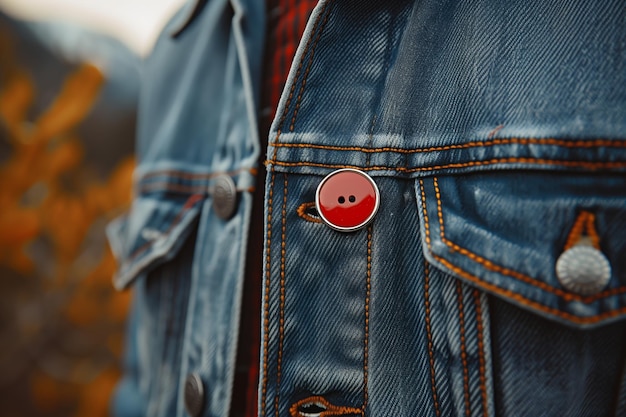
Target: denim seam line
<point>266,307</point>
<point>466,394</point>
<point>429,336</point>
<point>281,308</point>
<point>368,290</point>
<point>481,353</point>
<point>577,143</point>
<point>588,165</point>
<point>513,295</point>
<point>513,273</point>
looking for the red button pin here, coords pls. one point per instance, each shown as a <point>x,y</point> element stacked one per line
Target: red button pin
<point>347,200</point>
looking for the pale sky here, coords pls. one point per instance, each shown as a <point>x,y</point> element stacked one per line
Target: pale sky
<point>135,22</point>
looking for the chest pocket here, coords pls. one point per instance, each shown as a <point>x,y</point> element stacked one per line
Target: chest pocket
<point>151,233</point>
<point>549,242</point>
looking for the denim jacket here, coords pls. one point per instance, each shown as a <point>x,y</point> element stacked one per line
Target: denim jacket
<point>495,132</point>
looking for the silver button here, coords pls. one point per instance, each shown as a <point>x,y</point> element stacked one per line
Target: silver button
<point>194,395</point>
<point>224,197</point>
<point>583,270</point>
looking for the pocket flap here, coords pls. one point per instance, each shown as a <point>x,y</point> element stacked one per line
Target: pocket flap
<point>504,232</point>
<point>151,233</point>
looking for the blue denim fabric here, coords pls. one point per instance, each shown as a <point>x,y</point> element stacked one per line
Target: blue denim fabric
<point>488,126</point>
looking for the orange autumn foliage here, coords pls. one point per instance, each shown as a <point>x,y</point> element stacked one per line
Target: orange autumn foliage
<point>44,219</point>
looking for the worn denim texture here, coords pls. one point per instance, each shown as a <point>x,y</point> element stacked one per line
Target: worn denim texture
<point>490,128</point>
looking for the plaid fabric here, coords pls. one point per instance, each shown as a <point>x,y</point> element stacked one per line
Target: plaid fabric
<point>286,22</point>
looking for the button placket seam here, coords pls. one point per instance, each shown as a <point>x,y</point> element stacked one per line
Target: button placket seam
<point>368,288</point>
<point>266,307</point>
<point>429,336</point>
<point>481,353</point>
<point>281,319</point>
<point>265,380</point>
<point>466,394</point>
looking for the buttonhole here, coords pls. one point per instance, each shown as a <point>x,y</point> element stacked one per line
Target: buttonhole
<point>318,406</point>
<point>312,409</point>
<point>308,212</point>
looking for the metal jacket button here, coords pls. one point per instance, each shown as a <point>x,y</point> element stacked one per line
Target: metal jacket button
<point>194,395</point>
<point>583,270</point>
<point>224,197</point>
<point>347,200</point>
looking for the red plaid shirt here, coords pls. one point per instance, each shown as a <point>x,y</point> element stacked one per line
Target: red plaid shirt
<point>285,25</point>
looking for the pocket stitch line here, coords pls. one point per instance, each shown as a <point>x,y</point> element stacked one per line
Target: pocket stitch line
<point>520,298</point>
<point>511,272</point>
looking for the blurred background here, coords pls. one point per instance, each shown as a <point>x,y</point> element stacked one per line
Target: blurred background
<point>70,72</point>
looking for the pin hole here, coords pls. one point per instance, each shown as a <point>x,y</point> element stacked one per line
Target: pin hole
<point>311,409</point>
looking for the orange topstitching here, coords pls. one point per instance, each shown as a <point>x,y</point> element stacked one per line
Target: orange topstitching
<point>429,335</point>
<point>582,143</point>
<point>368,289</point>
<point>566,163</point>
<point>266,297</point>
<point>281,309</point>
<point>481,353</point>
<point>520,298</point>
<point>330,409</point>
<point>586,221</point>
<point>302,212</point>
<point>466,395</point>
<point>266,306</point>
<point>525,301</point>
